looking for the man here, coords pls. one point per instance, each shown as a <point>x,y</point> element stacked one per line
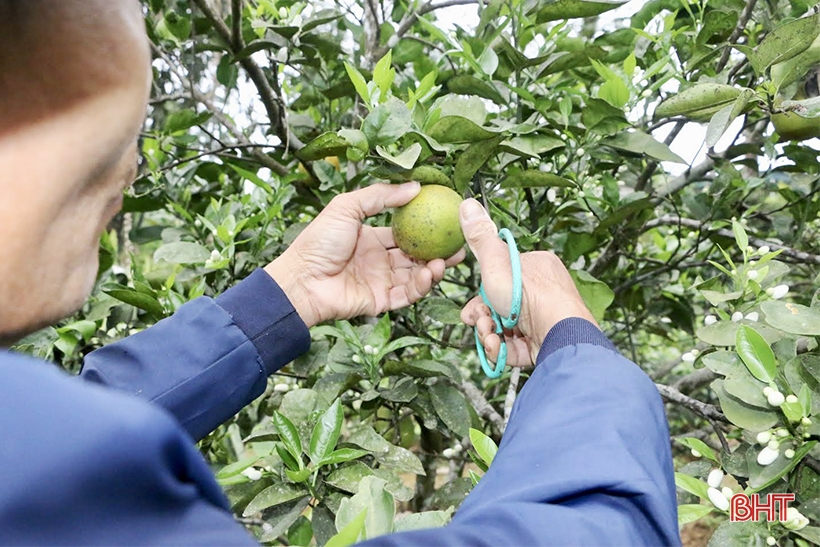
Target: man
<point>108,459</point>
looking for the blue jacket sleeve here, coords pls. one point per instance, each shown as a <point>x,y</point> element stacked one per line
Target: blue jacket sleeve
<point>211,358</point>
<point>585,459</point>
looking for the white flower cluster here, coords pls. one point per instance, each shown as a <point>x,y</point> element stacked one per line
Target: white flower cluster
<point>718,496</point>
<point>776,293</point>
<point>774,397</point>
<point>252,473</point>
<point>690,356</point>
<point>450,452</point>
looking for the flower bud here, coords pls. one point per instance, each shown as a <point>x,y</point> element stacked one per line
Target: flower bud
<point>764,437</point>
<point>770,291</point>
<point>457,448</point>
<point>771,541</point>
<point>776,398</point>
<point>753,316</point>
<point>791,399</point>
<point>715,478</point>
<point>252,473</point>
<point>779,292</point>
<point>687,357</point>
<point>789,453</point>
<point>710,320</point>
<point>581,194</point>
<point>763,250</point>
<point>281,388</point>
<point>751,274</point>
<point>737,316</point>
<point>806,435</point>
<point>806,422</point>
<point>773,444</point>
<point>696,453</point>
<point>357,359</point>
<point>794,520</point>
<point>718,499</point>
<point>368,349</point>
<point>767,456</point>
<point>695,352</point>
<point>782,432</point>
<point>726,491</point>
<point>552,195</point>
<point>447,453</point>
<point>767,390</point>
<point>581,151</point>
<point>357,405</point>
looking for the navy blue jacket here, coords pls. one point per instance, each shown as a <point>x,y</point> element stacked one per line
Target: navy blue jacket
<point>110,460</point>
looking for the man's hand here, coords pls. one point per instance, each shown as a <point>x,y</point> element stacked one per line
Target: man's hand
<point>339,268</point>
<point>549,294</point>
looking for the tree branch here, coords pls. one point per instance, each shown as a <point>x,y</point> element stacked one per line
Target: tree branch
<point>512,392</point>
<point>797,256</point>
<point>710,412</point>
<point>481,406</point>
<point>236,21</point>
<point>273,103</point>
<point>741,24</point>
<point>410,19</point>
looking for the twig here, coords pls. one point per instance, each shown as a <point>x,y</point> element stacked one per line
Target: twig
<point>710,412</point>
<point>694,380</point>
<point>741,24</point>
<point>512,391</point>
<point>794,254</point>
<point>236,23</point>
<point>481,406</point>
<point>271,101</point>
<point>410,19</point>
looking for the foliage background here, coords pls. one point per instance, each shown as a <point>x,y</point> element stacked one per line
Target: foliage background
<point>544,110</point>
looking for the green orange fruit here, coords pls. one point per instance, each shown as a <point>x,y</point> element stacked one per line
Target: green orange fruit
<point>428,226</point>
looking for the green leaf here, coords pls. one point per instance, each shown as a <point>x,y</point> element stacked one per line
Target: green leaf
<point>532,146</point>
<point>252,177</point>
<point>744,415</point>
<point>737,534</point>
<point>388,455</point>
<point>326,432</point>
<point>274,495</point>
<point>383,75</point>
<point>804,397</point>
<point>355,139</point>
<point>533,178</point>
<point>557,10</point>
<point>692,485</point>
<point>724,333</point>
<point>785,42</point>
<point>792,318</point>
<point>691,512</point>
<point>442,309</point>
<point>398,343</point>
<point>471,160</point>
<point>724,117</point>
<point>378,504</point>
<point>741,238</point>
<point>403,390</point>
<point>387,122</point>
<point>457,129</point>
<point>301,532</point>
<point>341,456</point>
<point>696,444</point>
<point>300,475</point>
<point>323,526</point>
<point>326,144</point>
<point>470,85</point>
<point>282,517</point>
<point>236,468</point>
<point>615,92</point>
<point>773,472</point>
<point>138,300</point>
<point>451,407</point>
<point>756,354</point>
<point>484,446</point>
<point>596,294</point>
<point>698,101</point>
<point>406,159</point>
<point>183,120</point>
<point>638,142</point>
<point>359,83</point>
<point>423,520</point>
<point>418,369</point>
<point>350,533</point>
<point>288,434</point>
<point>182,252</point>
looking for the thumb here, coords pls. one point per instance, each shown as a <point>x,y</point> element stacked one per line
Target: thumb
<point>492,253</point>
<point>481,233</point>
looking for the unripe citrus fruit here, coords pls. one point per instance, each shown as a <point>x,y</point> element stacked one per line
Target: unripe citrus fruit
<point>792,127</point>
<point>428,226</point>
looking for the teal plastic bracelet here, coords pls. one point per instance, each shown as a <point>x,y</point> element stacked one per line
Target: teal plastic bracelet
<point>502,323</point>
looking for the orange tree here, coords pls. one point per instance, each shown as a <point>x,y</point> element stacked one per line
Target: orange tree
<point>561,116</point>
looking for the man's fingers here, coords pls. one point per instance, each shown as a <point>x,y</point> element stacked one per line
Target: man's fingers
<point>375,198</point>
<point>474,309</point>
<point>456,258</point>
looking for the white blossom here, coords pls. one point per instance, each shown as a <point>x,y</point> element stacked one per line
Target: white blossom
<point>737,316</point>
<point>771,541</point>
<point>252,473</point>
<point>774,444</point>
<point>281,388</point>
<point>767,390</point>
<point>764,437</point>
<point>776,398</point>
<point>752,316</point>
<point>763,250</point>
<point>552,195</point>
<point>687,357</point>
<point>791,399</point>
<point>782,432</point>
<point>752,274</point>
<point>789,453</point>
<point>357,359</point>
<point>448,453</point>
<point>779,292</point>
<point>767,456</point>
<point>710,320</point>
<point>794,520</point>
<point>806,422</point>
<point>715,478</point>
<point>696,453</point>
<point>370,350</point>
<point>718,499</point>
<point>726,491</point>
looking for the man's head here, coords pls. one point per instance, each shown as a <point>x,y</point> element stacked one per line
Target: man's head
<point>74,81</point>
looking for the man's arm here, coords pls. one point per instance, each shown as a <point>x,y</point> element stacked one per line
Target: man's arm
<point>585,459</point>
<point>211,358</point>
